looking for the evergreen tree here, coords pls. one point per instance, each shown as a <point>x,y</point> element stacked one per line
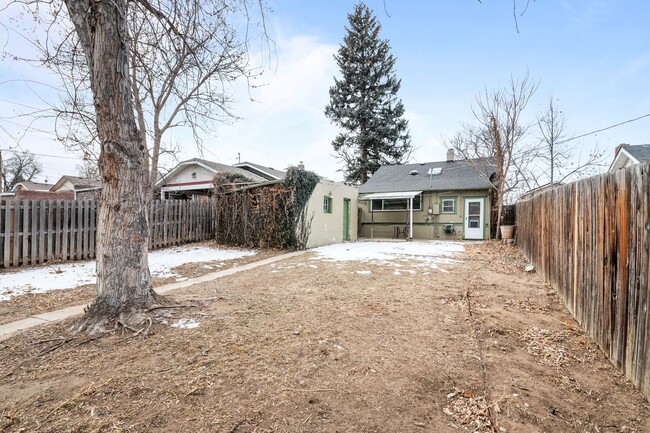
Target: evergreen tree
<point>364,103</point>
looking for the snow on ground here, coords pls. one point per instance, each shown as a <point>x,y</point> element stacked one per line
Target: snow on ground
<point>415,254</point>
<point>69,275</point>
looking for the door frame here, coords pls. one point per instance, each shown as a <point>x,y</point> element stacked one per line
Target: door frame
<point>346,219</point>
<point>474,232</point>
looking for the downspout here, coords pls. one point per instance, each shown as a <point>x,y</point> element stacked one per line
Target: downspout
<point>411,219</point>
<point>372,220</point>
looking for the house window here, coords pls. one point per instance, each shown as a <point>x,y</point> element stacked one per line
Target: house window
<point>397,204</point>
<point>327,204</point>
<point>448,205</point>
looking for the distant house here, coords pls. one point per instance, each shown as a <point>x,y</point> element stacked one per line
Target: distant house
<point>82,188</point>
<point>34,191</point>
<point>194,178</point>
<point>446,199</point>
<point>626,155</point>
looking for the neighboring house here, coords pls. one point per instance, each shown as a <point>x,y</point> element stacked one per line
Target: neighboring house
<point>626,155</point>
<point>83,188</point>
<point>194,178</point>
<point>332,209</point>
<point>446,199</point>
<point>34,191</point>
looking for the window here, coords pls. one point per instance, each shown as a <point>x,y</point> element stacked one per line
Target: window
<point>327,204</point>
<point>396,204</point>
<point>448,205</point>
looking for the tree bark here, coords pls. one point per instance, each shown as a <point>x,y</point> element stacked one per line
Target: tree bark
<point>123,285</point>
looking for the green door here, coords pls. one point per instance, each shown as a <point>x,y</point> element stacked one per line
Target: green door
<point>346,219</point>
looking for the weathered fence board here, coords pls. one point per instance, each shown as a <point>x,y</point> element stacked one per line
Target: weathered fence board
<point>590,240</point>
<point>38,231</point>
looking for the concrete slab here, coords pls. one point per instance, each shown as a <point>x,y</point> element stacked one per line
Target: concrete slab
<point>8,329</point>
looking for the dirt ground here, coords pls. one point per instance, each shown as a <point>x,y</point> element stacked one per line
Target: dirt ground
<point>314,346</point>
<point>20,307</point>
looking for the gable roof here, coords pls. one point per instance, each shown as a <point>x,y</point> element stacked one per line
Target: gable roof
<point>32,186</point>
<point>468,174</point>
<point>215,167</point>
<point>77,182</point>
<point>269,173</point>
<point>634,153</point>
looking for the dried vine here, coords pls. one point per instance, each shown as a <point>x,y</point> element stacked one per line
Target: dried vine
<point>269,215</point>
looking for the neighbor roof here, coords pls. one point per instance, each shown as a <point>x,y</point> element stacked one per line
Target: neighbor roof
<point>269,172</point>
<point>77,182</point>
<point>454,175</point>
<point>215,166</point>
<point>640,152</point>
<point>33,186</point>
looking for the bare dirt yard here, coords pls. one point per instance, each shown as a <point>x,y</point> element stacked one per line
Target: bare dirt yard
<point>312,344</point>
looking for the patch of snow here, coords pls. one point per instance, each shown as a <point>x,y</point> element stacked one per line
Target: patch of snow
<point>70,275</point>
<point>427,254</point>
<point>185,324</point>
<point>364,272</point>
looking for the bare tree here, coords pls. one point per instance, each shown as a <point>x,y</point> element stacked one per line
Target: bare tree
<point>88,169</point>
<point>557,159</point>
<point>101,43</point>
<point>498,137</point>
<point>184,55</point>
<point>21,167</point>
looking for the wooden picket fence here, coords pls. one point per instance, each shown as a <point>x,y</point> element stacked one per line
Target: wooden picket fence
<point>39,231</point>
<point>590,240</point>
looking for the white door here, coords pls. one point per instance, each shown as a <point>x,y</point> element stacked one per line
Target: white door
<point>474,218</point>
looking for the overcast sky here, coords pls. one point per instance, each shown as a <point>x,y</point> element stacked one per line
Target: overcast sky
<point>592,56</point>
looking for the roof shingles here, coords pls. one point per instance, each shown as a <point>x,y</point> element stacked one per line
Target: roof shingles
<point>455,175</point>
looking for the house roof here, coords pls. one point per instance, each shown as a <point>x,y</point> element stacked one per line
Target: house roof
<point>32,186</point>
<point>633,153</point>
<point>269,172</point>
<point>640,152</point>
<point>77,182</point>
<point>453,175</point>
<point>212,166</point>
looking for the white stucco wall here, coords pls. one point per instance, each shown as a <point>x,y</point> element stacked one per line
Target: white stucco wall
<point>327,228</point>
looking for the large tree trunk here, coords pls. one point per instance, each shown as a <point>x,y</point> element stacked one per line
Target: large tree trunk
<point>123,285</point>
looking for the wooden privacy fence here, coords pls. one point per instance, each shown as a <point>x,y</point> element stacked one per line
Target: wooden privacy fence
<point>589,239</point>
<point>37,231</point>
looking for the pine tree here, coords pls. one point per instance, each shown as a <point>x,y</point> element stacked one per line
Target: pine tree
<point>364,103</point>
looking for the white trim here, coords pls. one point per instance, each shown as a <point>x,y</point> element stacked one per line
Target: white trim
<point>252,167</point>
<point>614,165</point>
<point>204,185</point>
<point>390,195</point>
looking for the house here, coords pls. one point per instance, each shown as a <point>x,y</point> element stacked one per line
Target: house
<point>446,199</point>
<point>626,155</point>
<point>83,188</point>
<point>194,178</point>
<point>27,190</point>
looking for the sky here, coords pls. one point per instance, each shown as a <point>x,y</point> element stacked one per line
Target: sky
<point>591,56</point>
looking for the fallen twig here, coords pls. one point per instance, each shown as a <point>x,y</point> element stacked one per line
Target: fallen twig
<point>232,430</point>
<point>162,307</point>
<point>53,347</point>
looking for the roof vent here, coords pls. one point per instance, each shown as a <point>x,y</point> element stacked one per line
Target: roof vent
<point>414,173</point>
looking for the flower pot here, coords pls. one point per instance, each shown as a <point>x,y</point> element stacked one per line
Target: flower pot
<point>507,232</point>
